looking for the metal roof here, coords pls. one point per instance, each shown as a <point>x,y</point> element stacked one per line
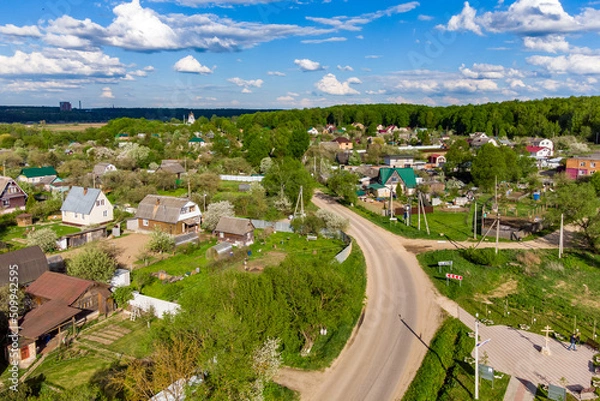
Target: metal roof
<point>56,286</point>
<point>38,171</point>
<point>31,262</point>
<point>81,200</point>
<point>45,318</point>
<point>406,174</point>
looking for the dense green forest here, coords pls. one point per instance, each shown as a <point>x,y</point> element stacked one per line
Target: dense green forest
<point>25,114</point>
<point>551,117</point>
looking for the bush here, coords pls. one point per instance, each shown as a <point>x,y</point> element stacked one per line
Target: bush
<point>485,257</point>
<point>122,295</point>
<point>45,238</point>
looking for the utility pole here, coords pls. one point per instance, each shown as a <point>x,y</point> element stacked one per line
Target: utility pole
<point>424,214</point>
<point>299,202</point>
<point>475,223</point>
<point>560,238</point>
<point>476,356</point>
<point>419,210</point>
<point>497,216</point>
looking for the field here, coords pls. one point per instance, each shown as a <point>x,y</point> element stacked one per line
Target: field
<point>76,127</point>
<point>529,288</point>
<point>444,374</point>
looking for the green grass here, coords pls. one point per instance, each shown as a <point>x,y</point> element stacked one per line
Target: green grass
<point>181,264</point>
<point>14,233</point>
<point>456,226</point>
<point>523,286</point>
<point>71,369</point>
<point>132,344</point>
<point>173,192</point>
<point>445,376</point>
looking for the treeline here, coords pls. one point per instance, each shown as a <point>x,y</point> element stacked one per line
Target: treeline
<point>579,116</point>
<point>18,114</point>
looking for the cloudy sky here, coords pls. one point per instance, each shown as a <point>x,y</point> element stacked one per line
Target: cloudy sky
<point>295,53</point>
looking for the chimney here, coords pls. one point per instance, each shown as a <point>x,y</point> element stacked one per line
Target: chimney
<point>85,191</point>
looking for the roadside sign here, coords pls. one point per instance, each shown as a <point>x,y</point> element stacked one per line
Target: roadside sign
<point>556,393</point>
<point>453,277</point>
<point>487,372</point>
<point>444,263</point>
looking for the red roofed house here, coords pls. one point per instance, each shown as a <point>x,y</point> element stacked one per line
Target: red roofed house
<point>59,301</point>
<point>539,151</point>
<point>436,160</point>
<point>343,143</point>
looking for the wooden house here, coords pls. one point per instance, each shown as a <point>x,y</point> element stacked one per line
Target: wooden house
<point>235,230</point>
<point>169,214</point>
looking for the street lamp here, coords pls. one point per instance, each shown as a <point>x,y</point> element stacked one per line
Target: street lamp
<point>476,356</point>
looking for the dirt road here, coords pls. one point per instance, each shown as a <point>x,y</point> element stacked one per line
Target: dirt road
<point>400,317</point>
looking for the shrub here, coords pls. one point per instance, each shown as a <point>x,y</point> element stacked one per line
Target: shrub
<point>45,238</point>
<point>485,257</point>
<point>555,266</point>
<point>122,295</point>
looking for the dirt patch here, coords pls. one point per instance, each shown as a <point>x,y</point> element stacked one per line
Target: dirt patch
<point>268,259</point>
<point>560,284</point>
<point>510,287</point>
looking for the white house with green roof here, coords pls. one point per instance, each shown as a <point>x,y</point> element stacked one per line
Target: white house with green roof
<point>392,177</point>
<point>37,175</point>
<point>196,142</point>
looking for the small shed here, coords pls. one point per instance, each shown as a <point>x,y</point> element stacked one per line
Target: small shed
<point>121,278</point>
<point>219,251</point>
<point>24,220</point>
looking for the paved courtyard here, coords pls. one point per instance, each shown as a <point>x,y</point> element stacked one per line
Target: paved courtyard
<point>517,353</point>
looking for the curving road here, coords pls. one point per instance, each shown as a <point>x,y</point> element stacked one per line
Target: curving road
<point>400,317</point>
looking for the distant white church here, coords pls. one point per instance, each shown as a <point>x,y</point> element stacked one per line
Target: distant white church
<point>191,119</point>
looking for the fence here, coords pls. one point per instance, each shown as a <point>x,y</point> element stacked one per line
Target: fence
<point>159,306</point>
<point>242,178</point>
<point>279,226</point>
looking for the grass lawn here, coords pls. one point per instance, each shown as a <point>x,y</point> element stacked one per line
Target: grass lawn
<point>533,288</point>
<point>445,375</point>
<point>72,368</point>
<point>173,192</point>
<point>16,235</point>
<point>264,252</point>
<point>456,226</point>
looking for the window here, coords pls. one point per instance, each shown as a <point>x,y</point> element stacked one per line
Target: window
<point>592,164</point>
<point>581,164</point>
<point>75,215</point>
<point>5,202</point>
<point>145,223</point>
<point>105,213</point>
<point>100,202</point>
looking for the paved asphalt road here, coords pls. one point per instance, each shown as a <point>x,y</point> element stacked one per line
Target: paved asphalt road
<point>401,315</point>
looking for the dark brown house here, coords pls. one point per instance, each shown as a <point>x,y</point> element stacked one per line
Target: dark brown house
<point>235,230</point>
<point>27,264</point>
<point>12,197</point>
<point>58,301</point>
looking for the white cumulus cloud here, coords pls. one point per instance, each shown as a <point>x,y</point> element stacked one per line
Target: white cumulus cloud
<point>330,84</point>
<point>190,65</point>
<point>308,65</point>
<point>345,68</point>
<point>257,83</point>
<point>107,93</point>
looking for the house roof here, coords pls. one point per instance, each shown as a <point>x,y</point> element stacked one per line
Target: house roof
<point>341,139</point>
<point>399,157</point>
<point>100,168</point>
<point>535,149</point>
<point>4,181</point>
<point>172,166</point>
<point>31,263</point>
<point>32,172</point>
<point>196,140</point>
<point>161,208</point>
<point>80,200</point>
<point>45,318</point>
<point>407,175</point>
<point>56,286</point>
<point>234,225</point>
<point>376,186</point>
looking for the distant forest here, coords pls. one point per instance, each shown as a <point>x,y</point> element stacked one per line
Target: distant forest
<point>551,117</point>
<point>24,114</point>
<point>579,116</point>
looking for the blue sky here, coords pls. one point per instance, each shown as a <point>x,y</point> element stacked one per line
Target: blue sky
<point>295,53</point>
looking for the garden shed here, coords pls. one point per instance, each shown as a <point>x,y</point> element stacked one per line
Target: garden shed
<point>219,251</point>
